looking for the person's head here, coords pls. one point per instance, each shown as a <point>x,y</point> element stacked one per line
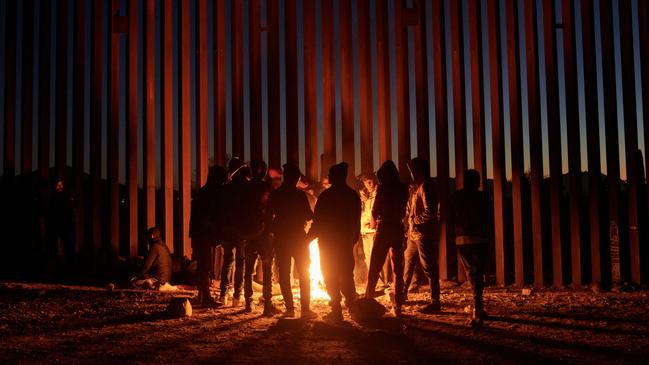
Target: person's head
<point>291,174</point>
<point>419,169</point>
<point>369,181</point>
<point>259,169</point>
<point>388,173</point>
<point>237,169</point>
<point>216,175</point>
<point>59,185</point>
<point>471,179</point>
<point>154,235</point>
<point>338,173</point>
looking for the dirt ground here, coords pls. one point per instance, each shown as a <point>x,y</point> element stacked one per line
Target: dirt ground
<point>70,324</point>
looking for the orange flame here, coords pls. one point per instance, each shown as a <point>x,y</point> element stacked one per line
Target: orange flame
<point>317,281</point>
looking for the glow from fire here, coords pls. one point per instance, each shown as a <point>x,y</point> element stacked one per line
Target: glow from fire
<point>317,281</point>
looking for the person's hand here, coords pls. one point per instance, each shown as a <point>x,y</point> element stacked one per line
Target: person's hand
<point>373,223</point>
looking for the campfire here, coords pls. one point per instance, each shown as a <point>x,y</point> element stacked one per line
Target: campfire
<point>317,281</point>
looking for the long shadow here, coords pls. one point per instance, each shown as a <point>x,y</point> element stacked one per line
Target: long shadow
<point>570,326</point>
<point>617,354</point>
<point>585,317</point>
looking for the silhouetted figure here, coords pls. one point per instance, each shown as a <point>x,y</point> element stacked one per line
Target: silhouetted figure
<point>387,213</point>
<point>60,221</point>
<point>205,231</point>
<point>157,265</point>
<point>471,211</point>
<point>337,225</point>
<point>259,246</point>
<point>235,216</point>
<point>290,211</point>
<point>422,225</point>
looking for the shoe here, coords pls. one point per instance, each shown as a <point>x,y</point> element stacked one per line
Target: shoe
<point>431,308</point>
<point>334,316</point>
<point>209,302</point>
<point>308,314</point>
<point>270,310</point>
<point>289,313</point>
<point>476,322</point>
<point>248,307</point>
<point>396,310</point>
<point>235,302</point>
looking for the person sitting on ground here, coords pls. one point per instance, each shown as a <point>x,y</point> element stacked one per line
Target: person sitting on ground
<point>471,212</point>
<point>157,265</point>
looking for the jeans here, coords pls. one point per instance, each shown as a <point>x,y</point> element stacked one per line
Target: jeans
<point>229,258</point>
<point>474,257</point>
<point>285,249</point>
<point>384,244</point>
<point>259,247</point>
<point>337,264</point>
<point>426,252</point>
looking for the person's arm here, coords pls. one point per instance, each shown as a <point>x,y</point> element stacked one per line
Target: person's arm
<point>356,215</point>
<point>377,208</point>
<point>429,201</point>
<point>307,214</point>
<point>150,259</point>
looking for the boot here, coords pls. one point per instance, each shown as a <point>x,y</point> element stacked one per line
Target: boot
<point>270,310</point>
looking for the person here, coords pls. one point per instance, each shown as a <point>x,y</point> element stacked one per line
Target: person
<point>423,230</point>
<point>205,232</point>
<point>289,210</point>
<point>234,216</point>
<point>259,246</point>
<point>60,221</point>
<point>387,216</point>
<point>336,224</point>
<point>367,194</point>
<point>471,211</point>
<point>157,265</point>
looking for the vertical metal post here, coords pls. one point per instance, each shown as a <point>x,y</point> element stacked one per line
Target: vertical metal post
<point>403,92</point>
<point>44,102</point>
<point>9,163</point>
<point>274,130</point>
<point>347,82</point>
<point>254,34</point>
<point>131,130</point>
<point>61,87</point>
<point>383,79</point>
<point>477,90</point>
<point>363,40</point>
<point>27,114</point>
<point>592,135</point>
<point>96,78</point>
<point>459,111</point>
<point>328,85</point>
<point>149,114</point>
<point>219,82</point>
<point>112,140</point>
<point>498,135</point>
<point>310,93</point>
<point>574,148</point>
<point>201,93</point>
<point>78,143</point>
<point>536,154</point>
<point>516,125</point>
<point>643,11</point>
<point>421,84</point>
<point>167,124</point>
<point>184,137</point>
<point>237,79</point>
<point>630,136</point>
<point>446,244</point>
<point>554,138</point>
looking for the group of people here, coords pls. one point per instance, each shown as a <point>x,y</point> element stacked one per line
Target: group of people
<point>240,210</point>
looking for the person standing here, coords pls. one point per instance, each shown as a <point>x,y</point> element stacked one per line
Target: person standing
<point>423,230</point>
<point>260,245</point>
<point>60,222</point>
<point>204,231</point>
<point>471,211</point>
<point>235,217</point>
<point>387,216</point>
<point>336,224</point>
<point>289,210</point>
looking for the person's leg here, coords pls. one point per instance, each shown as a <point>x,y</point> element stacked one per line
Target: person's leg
<point>240,261</point>
<point>302,262</point>
<point>411,258</point>
<point>473,257</point>
<point>283,260</point>
<point>251,254</point>
<point>396,257</point>
<point>228,260</point>
<point>266,255</point>
<point>328,260</point>
<point>203,256</point>
<point>368,243</point>
<point>346,274</point>
<point>379,252</point>
<point>429,263</point>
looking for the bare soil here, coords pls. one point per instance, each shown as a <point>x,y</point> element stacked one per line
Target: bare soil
<point>69,324</point>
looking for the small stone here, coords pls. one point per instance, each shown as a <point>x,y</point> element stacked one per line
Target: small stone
<point>110,287</point>
<point>526,292</point>
<point>179,308</point>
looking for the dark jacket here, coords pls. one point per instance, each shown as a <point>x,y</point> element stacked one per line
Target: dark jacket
<point>204,220</point>
<point>389,209</point>
<point>289,210</point>
<point>158,263</point>
<point>239,214</point>
<point>471,211</point>
<point>337,215</point>
<point>421,213</point>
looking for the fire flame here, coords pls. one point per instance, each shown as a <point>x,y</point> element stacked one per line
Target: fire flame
<point>317,281</point>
